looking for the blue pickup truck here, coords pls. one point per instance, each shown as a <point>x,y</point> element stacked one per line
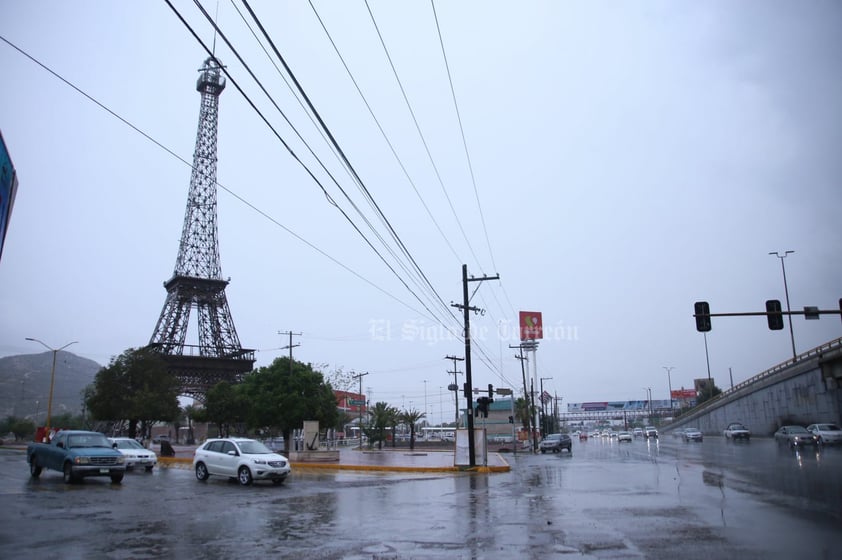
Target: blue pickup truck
<point>76,454</point>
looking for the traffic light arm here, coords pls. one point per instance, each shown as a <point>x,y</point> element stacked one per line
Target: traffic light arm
<point>766,313</point>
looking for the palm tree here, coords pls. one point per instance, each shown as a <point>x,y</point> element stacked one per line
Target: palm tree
<point>382,416</point>
<point>411,418</point>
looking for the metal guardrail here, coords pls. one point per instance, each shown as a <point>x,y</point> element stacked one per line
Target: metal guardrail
<point>827,346</point>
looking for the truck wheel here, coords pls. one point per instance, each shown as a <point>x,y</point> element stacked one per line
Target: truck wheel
<point>244,476</point>
<point>117,478</point>
<point>34,469</point>
<point>201,471</point>
<point>68,474</point>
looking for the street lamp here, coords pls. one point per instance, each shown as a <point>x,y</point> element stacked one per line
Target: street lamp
<point>786,292</point>
<point>52,378</point>
<point>669,381</point>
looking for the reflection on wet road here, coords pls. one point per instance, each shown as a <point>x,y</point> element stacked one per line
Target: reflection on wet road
<point>656,499</point>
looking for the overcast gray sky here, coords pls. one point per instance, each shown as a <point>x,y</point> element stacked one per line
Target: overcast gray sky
<point>629,159</point>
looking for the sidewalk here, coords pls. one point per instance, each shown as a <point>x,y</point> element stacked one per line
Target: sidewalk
<point>386,460</point>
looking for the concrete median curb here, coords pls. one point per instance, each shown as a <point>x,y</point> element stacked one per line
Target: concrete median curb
<point>186,462</point>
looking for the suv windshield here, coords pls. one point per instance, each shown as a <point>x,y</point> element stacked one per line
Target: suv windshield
<point>253,448</point>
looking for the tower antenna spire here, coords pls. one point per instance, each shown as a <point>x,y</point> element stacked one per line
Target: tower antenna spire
<point>215,20</point>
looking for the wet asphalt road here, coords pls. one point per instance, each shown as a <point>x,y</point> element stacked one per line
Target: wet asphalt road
<point>606,500</point>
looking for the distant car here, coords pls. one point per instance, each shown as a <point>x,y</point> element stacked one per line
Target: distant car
<point>583,435</point>
<point>692,434</point>
<point>679,433</point>
<point>245,460</point>
<point>637,432</point>
<point>828,434</point>
<point>795,436</point>
<point>594,434</point>
<point>650,432</point>
<point>135,454</point>
<point>555,443</point>
<point>624,436</point>
<point>735,431</point>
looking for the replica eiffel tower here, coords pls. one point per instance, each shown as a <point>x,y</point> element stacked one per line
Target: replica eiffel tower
<point>197,279</point>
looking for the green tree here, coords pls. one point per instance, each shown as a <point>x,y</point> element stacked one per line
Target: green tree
<point>136,386</point>
<point>523,412</point>
<point>411,418</point>
<point>707,392</point>
<point>225,405</point>
<point>22,428</point>
<point>282,398</point>
<point>190,414</point>
<point>382,417</point>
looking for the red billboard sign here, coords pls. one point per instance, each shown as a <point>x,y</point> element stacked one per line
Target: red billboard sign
<point>684,394</point>
<point>531,326</point>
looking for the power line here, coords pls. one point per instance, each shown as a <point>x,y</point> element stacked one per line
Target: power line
<point>383,133</point>
<point>338,149</point>
<point>291,151</point>
<point>226,189</point>
<point>421,134</point>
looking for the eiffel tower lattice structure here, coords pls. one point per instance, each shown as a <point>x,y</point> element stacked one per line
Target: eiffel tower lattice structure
<point>197,279</point>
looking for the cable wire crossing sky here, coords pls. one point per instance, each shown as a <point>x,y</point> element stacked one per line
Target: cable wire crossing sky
<point>612,163</point>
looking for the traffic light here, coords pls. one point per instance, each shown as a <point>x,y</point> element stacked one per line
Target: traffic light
<point>490,392</point>
<point>482,407</point>
<point>775,317</point>
<point>702,315</point>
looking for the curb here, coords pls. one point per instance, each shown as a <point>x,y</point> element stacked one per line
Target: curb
<point>178,462</point>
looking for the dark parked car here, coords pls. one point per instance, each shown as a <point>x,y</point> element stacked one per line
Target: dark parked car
<point>555,443</point>
<point>795,436</point>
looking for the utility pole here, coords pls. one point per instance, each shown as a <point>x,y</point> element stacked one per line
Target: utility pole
<point>455,387</point>
<point>290,345</point>
<point>466,309</point>
<point>362,397</point>
<point>520,357</point>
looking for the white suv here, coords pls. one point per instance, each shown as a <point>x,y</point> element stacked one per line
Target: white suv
<point>245,460</point>
<point>650,431</point>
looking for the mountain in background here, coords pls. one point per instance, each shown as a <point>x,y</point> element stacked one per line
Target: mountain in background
<point>25,384</point>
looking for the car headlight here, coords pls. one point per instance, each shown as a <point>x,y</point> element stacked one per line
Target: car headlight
<point>121,460</point>
<point>82,460</point>
<point>258,461</point>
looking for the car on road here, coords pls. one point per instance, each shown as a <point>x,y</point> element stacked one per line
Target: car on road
<point>242,459</point>
<point>736,431</point>
<point>134,453</point>
<point>795,436</point>
<point>692,434</point>
<point>828,434</point>
<point>650,432</point>
<point>624,436</point>
<point>637,432</point>
<point>555,443</point>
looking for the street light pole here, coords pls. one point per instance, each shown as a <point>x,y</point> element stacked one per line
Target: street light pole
<point>786,292</point>
<point>52,378</point>
<point>669,381</point>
